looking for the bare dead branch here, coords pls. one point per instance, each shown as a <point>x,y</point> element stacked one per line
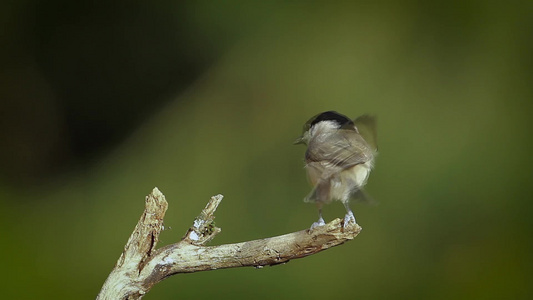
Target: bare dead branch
<point>140,266</point>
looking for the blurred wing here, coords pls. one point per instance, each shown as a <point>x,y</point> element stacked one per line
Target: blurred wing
<point>320,181</point>
<point>343,150</point>
<point>329,157</point>
<point>361,196</point>
<point>367,127</point>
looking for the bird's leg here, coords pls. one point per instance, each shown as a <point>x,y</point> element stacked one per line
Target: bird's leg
<point>320,221</point>
<point>349,217</point>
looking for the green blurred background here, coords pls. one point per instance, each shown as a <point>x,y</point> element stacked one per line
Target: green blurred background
<point>100,103</point>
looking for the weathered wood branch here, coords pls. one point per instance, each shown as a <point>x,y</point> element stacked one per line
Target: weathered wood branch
<point>141,266</point>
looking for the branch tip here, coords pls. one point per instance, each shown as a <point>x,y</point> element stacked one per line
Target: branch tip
<point>203,229</point>
<point>156,192</point>
<point>212,206</point>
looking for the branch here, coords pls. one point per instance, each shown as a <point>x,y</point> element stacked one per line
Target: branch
<point>140,266</point>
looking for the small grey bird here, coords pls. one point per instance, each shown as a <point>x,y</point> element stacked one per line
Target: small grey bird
<point>340,154</point>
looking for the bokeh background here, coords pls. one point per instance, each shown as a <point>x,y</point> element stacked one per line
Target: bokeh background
<point>101,102</point>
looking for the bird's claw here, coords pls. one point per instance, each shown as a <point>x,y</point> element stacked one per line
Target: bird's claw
<point>349,219</point>
<point>320,222</point>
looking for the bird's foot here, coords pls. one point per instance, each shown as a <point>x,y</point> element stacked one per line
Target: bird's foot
<point>320,222</point>
<point>349,219</point>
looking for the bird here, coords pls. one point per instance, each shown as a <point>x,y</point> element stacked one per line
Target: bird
<point>339,157</point>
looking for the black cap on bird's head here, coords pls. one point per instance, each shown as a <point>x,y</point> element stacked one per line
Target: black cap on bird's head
<point>329,116</point>
<point>342,120</point>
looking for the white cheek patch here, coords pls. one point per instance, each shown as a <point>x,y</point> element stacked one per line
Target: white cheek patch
<point>323,126</point>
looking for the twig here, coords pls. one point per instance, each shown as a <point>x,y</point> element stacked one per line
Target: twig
<point>140,266</point>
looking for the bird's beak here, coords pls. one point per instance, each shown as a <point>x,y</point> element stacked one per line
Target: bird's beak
<point>299,140</point>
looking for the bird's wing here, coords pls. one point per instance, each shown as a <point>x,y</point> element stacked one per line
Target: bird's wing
<point>363,197</point>
<point>320,179</point>
<point>345,150</point>
<point>366,125</point>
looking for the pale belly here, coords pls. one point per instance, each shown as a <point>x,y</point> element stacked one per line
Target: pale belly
<point>349,181</point>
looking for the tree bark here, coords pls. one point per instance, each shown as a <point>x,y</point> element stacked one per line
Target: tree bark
<point>141,266</point>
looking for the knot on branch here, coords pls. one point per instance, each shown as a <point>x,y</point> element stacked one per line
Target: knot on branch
<point>203,229</point>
